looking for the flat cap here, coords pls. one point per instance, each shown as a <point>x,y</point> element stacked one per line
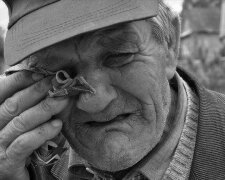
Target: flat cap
<point>36,24</point>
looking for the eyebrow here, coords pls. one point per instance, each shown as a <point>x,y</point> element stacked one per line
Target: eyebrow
<point>123,41</point>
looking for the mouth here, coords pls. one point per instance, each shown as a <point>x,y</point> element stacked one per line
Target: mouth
<point>118,118</point>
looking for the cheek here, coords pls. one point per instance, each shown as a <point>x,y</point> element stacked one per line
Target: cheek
<point>141,80</point>
<point>147,82</point>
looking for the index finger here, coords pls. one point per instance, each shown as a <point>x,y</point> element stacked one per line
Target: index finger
<point>9,85</point>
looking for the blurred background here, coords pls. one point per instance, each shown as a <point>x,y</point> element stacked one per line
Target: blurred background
<point>202,41</point>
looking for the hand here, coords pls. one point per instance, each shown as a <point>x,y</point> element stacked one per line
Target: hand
<point>24,120</point>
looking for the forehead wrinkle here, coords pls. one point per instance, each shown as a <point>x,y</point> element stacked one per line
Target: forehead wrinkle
<point>122,40</point>
<point>86,49</point>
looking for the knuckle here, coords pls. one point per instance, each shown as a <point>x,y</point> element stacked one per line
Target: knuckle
<point>39,87</point>
<point>19,124</point>
<point>42,86</point>
<point>11,107</point>
<point>3,141</point>
<point>19,77</point>
<point>20,145</point>
<point>46,105</point>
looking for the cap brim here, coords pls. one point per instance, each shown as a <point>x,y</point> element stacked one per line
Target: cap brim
<point>65,19</point>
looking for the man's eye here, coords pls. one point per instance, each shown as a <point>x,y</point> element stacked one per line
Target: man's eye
<point>71,71</point>
<point>118,60</point>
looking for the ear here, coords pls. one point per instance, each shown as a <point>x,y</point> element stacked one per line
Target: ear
<point>171,64</point>
<point>173,48</point>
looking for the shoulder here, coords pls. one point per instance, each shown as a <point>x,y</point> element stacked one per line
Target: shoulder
<point>208,162</point>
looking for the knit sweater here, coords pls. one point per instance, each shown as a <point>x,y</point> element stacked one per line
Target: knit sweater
<point>180,165</point>
<point>209,154</point>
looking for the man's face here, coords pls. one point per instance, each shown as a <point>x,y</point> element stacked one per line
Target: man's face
<point>116,127</point>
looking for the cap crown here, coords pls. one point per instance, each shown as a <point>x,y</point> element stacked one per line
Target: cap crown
<point>37,24</point>
<point>20,8</point>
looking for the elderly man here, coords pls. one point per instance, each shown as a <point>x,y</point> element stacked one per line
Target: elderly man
<point>104,74</point>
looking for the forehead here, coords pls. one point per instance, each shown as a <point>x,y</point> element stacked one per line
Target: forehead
<point>118,37</point>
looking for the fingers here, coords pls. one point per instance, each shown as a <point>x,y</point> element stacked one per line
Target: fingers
<point>31,118</point>
<point>22,100</point>
<point>25,144</point>
<point>15,82</point>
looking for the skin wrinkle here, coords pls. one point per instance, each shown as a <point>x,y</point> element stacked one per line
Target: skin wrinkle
<point>144,102</point>
<point>147,49</point>
<point>44,54</point>
<point>139,98</point>
<point>124,44</point>
<point>114,103</point>
<point>143,38</point>
<point>118,89</point>
<point>157,112</point>
<point>78,126</point>
<point>154,78</point>
<point>85,132</point>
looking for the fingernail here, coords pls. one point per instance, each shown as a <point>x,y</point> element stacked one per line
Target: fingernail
<point>37,76</point>
<point>56,123</point>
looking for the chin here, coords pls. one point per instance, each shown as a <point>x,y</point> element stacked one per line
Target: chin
<point>116,152</point>
<point>115,162</point>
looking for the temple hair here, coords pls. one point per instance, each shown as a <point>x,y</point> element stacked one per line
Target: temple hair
<point>166,27</point>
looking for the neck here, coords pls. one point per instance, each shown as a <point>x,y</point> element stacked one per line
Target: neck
<point>121,174</point>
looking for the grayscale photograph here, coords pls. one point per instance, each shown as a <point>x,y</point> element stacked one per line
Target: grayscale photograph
<point>112,89</point>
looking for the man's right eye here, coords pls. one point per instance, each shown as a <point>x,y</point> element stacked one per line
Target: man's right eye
<point>71,71</point>
<point>118,60</point>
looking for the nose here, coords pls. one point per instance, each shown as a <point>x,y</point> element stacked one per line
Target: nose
<point>104,94</point>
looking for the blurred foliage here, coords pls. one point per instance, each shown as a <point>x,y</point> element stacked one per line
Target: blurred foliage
<point>1,50</point>
<point>201,3</point>
<point>208,71</point>
<point>1,42</point>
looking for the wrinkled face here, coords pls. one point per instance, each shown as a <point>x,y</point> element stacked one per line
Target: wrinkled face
<point>116,127</point>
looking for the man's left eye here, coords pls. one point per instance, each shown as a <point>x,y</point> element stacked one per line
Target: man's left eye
<point>118,60</point>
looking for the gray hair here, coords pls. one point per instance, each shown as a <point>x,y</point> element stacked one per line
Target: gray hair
<point>166,27</point>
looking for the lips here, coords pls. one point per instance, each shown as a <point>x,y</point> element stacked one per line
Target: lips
<point>111,121</point>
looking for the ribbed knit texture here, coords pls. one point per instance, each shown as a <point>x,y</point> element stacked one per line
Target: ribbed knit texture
<point>179,167</point>
<point>209,157</point>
